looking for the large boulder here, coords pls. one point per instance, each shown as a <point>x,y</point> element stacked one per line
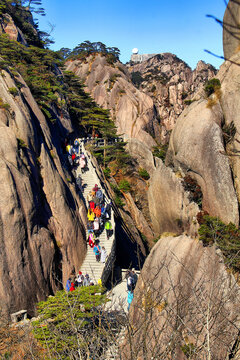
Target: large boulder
<point>196,148</point>
<point>230,104</point>
<point>185,303</point>
<point>142,154</point>
<point>231,29</point>
<point>169,206</point>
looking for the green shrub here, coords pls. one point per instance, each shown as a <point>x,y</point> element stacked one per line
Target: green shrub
<point>107,172</point>
<point>188,102</point>
<point>136,78</point>
<point>3,105</point>
<point>114,77</point>
<point>160,151</point>
<point>226,237</point>
<point>188,350</point>
<point>48,114</point>
<point>21,144</point>
<point>211,86</point>
<point>118,201</point>
<point>13,91</point>
<point>124,186</point>
<point>69,321</point>
<point>3,65</point>
<point>116,189</point>
<point>121,92</point>
<point>143,173</point>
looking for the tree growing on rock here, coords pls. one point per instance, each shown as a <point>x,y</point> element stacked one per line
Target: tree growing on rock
<point>75,325</point>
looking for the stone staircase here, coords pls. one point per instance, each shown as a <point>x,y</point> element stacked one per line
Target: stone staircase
<point>89,179</point>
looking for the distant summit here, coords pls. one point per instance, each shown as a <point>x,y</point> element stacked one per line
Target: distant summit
<point>139,58</point>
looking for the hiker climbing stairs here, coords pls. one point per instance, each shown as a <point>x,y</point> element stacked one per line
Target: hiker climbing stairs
<point>89,179</point>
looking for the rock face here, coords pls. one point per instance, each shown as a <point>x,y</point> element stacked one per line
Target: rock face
<point>150,112</point>
<point>170,208</point>
<point>42,237</point>
<point>170,82</point>
<point>231,31</point>
<point>230,107</point>
<point>143,155</point>
<point>110,86</point>
<point>196,148</point>
<point>8,26</point>
<point>184,301</point>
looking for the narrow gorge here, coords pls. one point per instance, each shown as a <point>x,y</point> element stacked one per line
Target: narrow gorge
<point>163,143</point>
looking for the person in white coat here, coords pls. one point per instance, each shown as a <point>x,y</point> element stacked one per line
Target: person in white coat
<point>103,255</point>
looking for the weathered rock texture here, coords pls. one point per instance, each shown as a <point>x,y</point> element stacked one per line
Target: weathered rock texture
<point>150,112</point>
<point>143,155</point>
<point>230,107</point>
<point>170,208</point>
<point>185,301</point>
<point>8,26</point>
<point>170,82</point>
<point>41,239</point>
<point>110,86</point>
<point>196,148</point>
<point>231,29</point>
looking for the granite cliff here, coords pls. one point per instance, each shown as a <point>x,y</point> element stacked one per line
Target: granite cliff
<point>148,104</point>
<point>42,232</point>
<point>172,84</point>
<point>184,283</point>
<point>110,86</point>
<point>42,217</point>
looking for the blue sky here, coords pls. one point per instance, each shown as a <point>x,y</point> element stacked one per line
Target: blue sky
<point>153,26</point>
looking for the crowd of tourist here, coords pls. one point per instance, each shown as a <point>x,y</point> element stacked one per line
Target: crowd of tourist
<point>75,157</point>
<point>99,219</point>
<point>80,280</point>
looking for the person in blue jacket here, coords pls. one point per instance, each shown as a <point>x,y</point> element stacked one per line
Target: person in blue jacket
<point>129,298</point>
<point>68,285</point>
<point>97,251</point>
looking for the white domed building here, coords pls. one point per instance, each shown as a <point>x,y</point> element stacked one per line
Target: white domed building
<point>138,58</point>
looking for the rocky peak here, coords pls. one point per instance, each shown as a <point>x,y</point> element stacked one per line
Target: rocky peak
<point>171,84</point>
<point>111,87</point>
<point>201,74</point>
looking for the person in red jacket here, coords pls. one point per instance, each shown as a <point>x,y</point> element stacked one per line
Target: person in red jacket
<point>97,211</point>
<point>73,158</point>
<point>72,287</point>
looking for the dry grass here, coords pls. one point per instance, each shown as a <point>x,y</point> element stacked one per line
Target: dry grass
<point>214,98</point>
<point>17,343</point>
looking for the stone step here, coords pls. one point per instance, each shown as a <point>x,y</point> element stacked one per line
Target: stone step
<point>90,264</point>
